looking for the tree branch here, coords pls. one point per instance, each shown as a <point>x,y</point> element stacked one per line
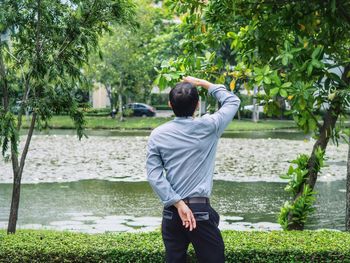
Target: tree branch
<point>65,46</point>
<point>37,44</point>
<point>24,101</point>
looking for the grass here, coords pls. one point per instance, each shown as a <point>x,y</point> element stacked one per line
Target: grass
<point>139,123</point>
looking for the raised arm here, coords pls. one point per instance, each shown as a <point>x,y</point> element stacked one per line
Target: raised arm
<point>229,106</point>
<point>229,103</point>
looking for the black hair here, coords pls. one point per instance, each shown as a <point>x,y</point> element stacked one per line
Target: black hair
<point>183,99</point>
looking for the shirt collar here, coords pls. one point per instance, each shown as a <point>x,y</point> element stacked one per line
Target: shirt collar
<point>184,118</point>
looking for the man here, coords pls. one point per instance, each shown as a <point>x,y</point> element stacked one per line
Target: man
<point>180,167</point>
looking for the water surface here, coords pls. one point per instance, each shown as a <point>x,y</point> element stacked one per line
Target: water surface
<point>62,158</point>
<point>96,206</point>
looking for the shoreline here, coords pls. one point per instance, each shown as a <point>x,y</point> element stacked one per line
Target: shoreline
<point>234,180</point>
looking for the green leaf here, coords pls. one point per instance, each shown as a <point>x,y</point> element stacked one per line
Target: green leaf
<point>312,125</point>
<point>266,69</point>
<point>302,104</point>
<point>285,176</point>
<point>283,93</point>
<point>316,63</point>
<point>284,60</point>
<point>276,79</point>
<point>165,64</point>
<point>286,45</point>
<point>259,78</point>
<point>267,80</point>
<point>274,91</point>
<point>287,85</point>
<point>156,81</point>
<point>309,69</point>
<point>231,34</point>
<point>334,77</point>
<point>316,52</point>
<point>167,77</point>
<point>162,82</point>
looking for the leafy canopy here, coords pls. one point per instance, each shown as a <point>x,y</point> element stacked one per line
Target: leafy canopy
<point>43,46</point>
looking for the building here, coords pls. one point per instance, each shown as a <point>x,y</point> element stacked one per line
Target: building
<point>99,97</point>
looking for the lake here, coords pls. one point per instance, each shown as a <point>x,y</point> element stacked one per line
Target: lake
<point>99,184</point>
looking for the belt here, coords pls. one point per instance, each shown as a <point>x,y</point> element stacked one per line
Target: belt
<point>196,200</point>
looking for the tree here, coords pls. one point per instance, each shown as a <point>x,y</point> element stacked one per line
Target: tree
<point>125,65</point>
<point>288,49</point>
<point>49,43</point>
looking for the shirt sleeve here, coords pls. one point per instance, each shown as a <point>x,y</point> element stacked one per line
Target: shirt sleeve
<point>156,178</point>
<point>229,106</point>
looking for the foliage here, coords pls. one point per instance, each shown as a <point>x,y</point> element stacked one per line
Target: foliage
<point>240,246</point>
<point>293,53</point>
<point>98,112</point>
<point>43,47</point>
<point>285,53</point>
<point>125,63</point>
<point>128,112</point>
<point>49,43</point>
<point>297,211</point>
<point>162,107</point>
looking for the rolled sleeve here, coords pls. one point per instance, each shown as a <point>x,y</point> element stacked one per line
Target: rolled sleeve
<point>229,106</point>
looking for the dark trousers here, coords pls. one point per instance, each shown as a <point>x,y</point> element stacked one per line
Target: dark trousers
<point>206,238</point>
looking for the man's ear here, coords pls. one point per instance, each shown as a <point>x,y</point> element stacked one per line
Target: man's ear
<point>169,104</point>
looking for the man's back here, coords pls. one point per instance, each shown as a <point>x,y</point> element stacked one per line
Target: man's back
<point>185,148</point>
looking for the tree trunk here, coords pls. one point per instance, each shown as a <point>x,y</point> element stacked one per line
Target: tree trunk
<point>120,102</point>
<point>325,133</point>
<point>200,107</point>
<point>17,177</point>
<point>347,216</point>
<point>110,95</point>
<point>326,129</point>
<point>255,115</point>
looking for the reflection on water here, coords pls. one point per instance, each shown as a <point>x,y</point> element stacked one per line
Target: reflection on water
<point>96,206</point>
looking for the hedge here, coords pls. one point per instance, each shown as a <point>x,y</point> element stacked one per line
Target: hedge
<point>162,107</point>
<point>276,246</point>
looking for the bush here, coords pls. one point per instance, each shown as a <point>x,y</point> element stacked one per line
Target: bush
<point>276,246</point>
<point>162,107</point>
<point>98,112</point>
<point>159,98</point>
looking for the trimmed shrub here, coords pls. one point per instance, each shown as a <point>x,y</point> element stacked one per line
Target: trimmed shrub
<point>276,246</point>
<point>98,112</point>
<point>162,107</point>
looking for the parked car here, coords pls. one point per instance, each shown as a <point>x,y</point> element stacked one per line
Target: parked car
<point>141,109</point>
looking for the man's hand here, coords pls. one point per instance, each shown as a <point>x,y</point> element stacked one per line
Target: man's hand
<point>197,82</point>
<point>186,215</point>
